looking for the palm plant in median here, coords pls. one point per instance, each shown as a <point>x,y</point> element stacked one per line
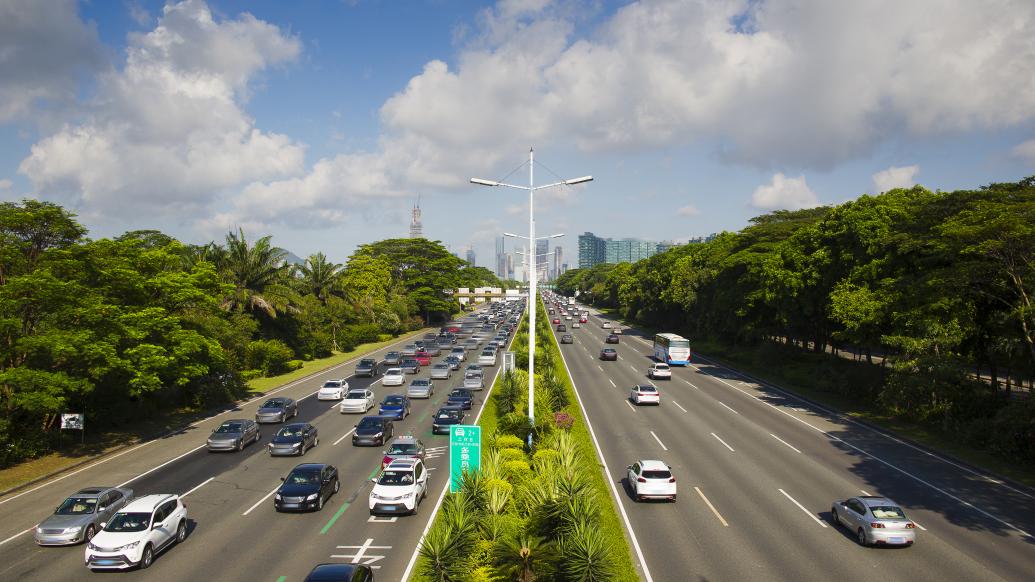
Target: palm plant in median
<point>524,557</point>
<point>586,555</point>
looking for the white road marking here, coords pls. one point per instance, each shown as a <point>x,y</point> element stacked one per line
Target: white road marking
<point>863,491</point>
<point>793,448</point>
<point>361,553</point>
<point>630,405</point>
<point>259,502</point>
<point>712,507</point>
<point>632,367</point>
<point>680,407</point>
<point>918,525</point>
<point>691,384</point>
<point>203,483</point>
<point>718,438</point>
<point>153,469</point>
<point>599,368</point>
<point>728,408</point>
<point>343,436</point>
<point>659,441</point>
<point>612,383</point>
<point>802,507</point>
<point>381,519</point>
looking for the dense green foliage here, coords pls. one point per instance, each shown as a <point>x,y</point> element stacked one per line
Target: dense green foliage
<point>123,328</point>
<point>940,282</point>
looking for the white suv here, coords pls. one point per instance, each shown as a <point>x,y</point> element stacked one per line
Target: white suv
<point>393,377</point>
<point>659,370</point>
<point>139,531</point>
<point>333,390</point>
<point>400,487</point>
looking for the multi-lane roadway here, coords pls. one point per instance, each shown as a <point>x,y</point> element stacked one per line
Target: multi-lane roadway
<point>235,534</point>
<point>757,470</point>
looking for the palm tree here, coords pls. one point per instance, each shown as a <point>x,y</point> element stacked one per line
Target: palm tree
<point>524,557</point>
<point>317,276</point>
<point>258,274</point>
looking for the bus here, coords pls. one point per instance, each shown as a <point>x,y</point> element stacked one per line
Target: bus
<point>672,349</point>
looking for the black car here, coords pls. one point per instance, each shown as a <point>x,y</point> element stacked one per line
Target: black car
<point>562,327</point>
<point>294,439</point>
<point>368,367</point>
<point>340,573</point>
<point>461,397</point>
<point>393,359</point>
<point>446,417</point>
<point>373,431</point>
<point>609,354</point>
<point>611,339</point>
<point>410,366</point>
<point>307,486</point>
<point>567,339</point>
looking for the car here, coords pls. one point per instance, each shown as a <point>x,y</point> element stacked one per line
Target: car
<point>651,480</point>
<point>567,317</point>
<point>368,367</point>
<point>611,339</point>
<point>306,487</point>
<point>400,488</point>
<point>616,330</point>
<point>277,409</point>
<point>393,358</point>
<point>474,381</point>
<point>488,358</point>
<point>472,343</point>
<point>476,368</point>
<point>395,406</point>
<point>81,515</point>
<point>556,320</point>
<point>393,377</point>
<point>659,370</point>
<point>233,435</point>
<point>874,520</point>
<point>430,336</point>
<point>461,397</point>
<point>409,350</point>
<point>446,417</point>
<point>583,319</point>
<point>332,390</point>
<point>431,349</point>
<point>562,327</point>
<point>440,371</point>
<point>420,388</point>
<point>294,439</point>
<point>453,362</point>
<point>606,325</point>
<point>645,394</point>
<point>576,325</point>
<point>403,447</point>
<point>358,401</point>
<point>410,366</point>
<point>567,339</point>
<point>609,354</point>
<point>373,431</point>
<point>138,532</point>
<point>340,573</point>
<point>459,352</point>
<point>423,358</point>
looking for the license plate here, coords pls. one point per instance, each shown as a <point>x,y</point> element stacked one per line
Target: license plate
<point>895,540</point>
<point>388,507</point>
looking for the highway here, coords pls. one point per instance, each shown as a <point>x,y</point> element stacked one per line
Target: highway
<point>757,471</point>
<point>234,532</point>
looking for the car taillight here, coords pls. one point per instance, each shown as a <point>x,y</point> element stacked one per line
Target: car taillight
<point>877,525</point>
<point>641,480</point>
<point>910,525</point>
<point>672,480</point>
<point>386,460</point>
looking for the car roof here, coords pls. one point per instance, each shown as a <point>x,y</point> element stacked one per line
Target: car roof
<point>406,438</point>
<point>310,467</point>
<point>653,465</point>
<point>91,491</point>
<point>875,501</point>
<point>331,572</point>
<point>404,463</point>
<point>147,502</point>
<point>645,387</point>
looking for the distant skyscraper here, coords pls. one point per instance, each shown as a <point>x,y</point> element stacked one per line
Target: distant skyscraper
<point>510,267</point>
<point>542,261</point>
<point>416,229</point>
<point>501,258</point>
<point>470,256</point>
<point>592,250</point>
<point>557,260</point>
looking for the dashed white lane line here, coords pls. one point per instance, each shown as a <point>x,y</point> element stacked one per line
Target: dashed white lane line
<point>802,507</point>
<point>633,368</point>
<point>680,407</point>
<point>691,384</point>
<point>21,533</point>
<point>793,448</point>
<point>631,407</point>
<point>599,368</point>
<point>612,383</point>
<point>712,507</point>
<point>153,469</point>
<point>196,487</point>
<point>663,447</point>
<point>343,436</point>
<point>863,491</point>
<point>259,502</point>
<point>728,408</point>
<point>724,443</point>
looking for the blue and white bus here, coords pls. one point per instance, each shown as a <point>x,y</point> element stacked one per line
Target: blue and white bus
<point>672,349</point>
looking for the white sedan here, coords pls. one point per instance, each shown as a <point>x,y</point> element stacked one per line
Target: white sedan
<point>357,401</point>
<point>333,390</point>
<point>645,394</point>
<point>393,377</point>
<point>651,480</point>
<point>659,370</point>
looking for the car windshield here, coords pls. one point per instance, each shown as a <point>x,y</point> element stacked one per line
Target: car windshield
<point>366,362</point>
<point>394,372</point>
<point>392,355</point>
<point>472,376</point>
<point>332,384</point>
<point>887,512</point>
<point>77,506</point>
<point>459,393</point>
<point>230,427</point>
<point>609,351</point>
<point>291,431</point>
<point>647,389</point>
<point>447,414</point>
<point>393,401</point>
<point>403,449</point>
<point>661,366</point>
<point>396,478</point>
<point>441,366</point>
<point>273,404</point>
<point>369,423</point>
<point>355,396</point>
<point>303,478</point>
<point>657,475</point>
<point>419,383</point>
<point>126,522</point>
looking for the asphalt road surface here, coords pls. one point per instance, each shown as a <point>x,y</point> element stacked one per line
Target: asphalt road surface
<point>758,469</point>
<point>234,532</point>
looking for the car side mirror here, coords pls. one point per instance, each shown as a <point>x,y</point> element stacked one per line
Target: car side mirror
<point>156,526</point>
<point>102,508</point>
<point>103,523</point>
<point>629,467</point>
<point>373,480</point>
<point>281,478</point>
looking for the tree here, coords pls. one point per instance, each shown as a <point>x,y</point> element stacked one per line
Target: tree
<point>317,276</point>
<point>258,274</point>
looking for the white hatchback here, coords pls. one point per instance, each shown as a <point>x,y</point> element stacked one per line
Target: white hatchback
<point>357,401</point>
<point>137,533</point>
<point>651,480</point>
<point>333,390</point>
<point>488,358</point>
<point>393,377</point>
<point>399,488</point>
<point>659,370</point>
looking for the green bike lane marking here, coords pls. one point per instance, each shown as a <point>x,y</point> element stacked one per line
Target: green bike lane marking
<point>335,518</point>
<point>282,579</point>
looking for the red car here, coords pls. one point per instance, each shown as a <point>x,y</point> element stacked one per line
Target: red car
<point>423,358</point>
<point>556,320</point>
<point>583,320</point>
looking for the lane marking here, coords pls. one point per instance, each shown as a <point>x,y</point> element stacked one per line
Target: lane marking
<point>259,502</point>
<point>334,518</point>
<point>630,405</point>
<point>802,507</point>
<point>728,408</point>
<point>863,491</point>
<point>712,507</point>
<point>633,368</point>
<point>282,579</point>
<point>717,437</point>
<point>659,441</point>
<point>793,448</point>
<point>343,436</point>
<point>382,519</point>
<point>599,368</point>
<point>202,484</point>
<point>680,407</point>
<point>691,384</point>
<point>612,383</point>
<point>152,470</point>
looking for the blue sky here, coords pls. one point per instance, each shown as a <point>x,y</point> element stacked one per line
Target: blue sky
<point>321,122</point>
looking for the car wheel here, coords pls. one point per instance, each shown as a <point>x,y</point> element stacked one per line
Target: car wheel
<point>834,518</point>
<point>316,442</point>
<point>337,485</point>
<point>416,506</point>
<point>862,537</point>
<point>319,502</point>
<point>181,533</point>
<point>90,531</point>
<point>240,445</point>
<point>147,557</point>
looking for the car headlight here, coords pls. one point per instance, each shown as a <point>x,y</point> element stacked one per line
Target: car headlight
<point>128,546</point>
<point>378,434</point>
<point>312,497</point>
<point>270,446</point>
<point>76,529</point>
<point>277,497</point>
<point>407,495</point>
<point>295,445</point>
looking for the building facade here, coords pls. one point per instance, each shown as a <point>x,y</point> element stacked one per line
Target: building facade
<point>542,259</point>
<point>470,256</point>
<point>592,250</point>
<point>501,258</point>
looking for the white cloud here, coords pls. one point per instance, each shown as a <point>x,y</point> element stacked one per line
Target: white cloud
<point>895,177</point>
<point>688,210</point>
<point>167,133</point>
<point>6,184</point>
<point>784,193</point>
<point>1025,151</point>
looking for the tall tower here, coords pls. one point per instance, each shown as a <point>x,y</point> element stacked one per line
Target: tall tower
<point>416,229</point>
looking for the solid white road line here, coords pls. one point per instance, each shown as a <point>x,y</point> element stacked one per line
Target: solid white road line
<point>793,448</point>
<point>612,383</point>
<point>21,533</point>
<point>659,441</point>
<point>712,507</point>
<point>343,436</point>
<point>259,502</point>
<point>728,408</point>
<point>153,469</point>
<point>633,408</point>
<point>863,491</point>
<point>718,438</point>
<point>680,407</point>
<point>197,487</point>
<point>802,507</point>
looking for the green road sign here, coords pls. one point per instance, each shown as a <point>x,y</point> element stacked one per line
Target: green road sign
<point>465,452</point>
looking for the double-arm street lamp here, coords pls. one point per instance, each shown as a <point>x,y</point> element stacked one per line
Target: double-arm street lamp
<point>533,276</point>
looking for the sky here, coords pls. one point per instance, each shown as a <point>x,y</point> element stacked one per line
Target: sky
<point>321,123</point>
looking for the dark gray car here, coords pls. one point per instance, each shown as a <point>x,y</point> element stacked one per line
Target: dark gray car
<point>80,516</point>
<point>294,439</point>
<point>393,359</point>
<point>277,409</point>
<point>233,435</point>
<point>368,367</point>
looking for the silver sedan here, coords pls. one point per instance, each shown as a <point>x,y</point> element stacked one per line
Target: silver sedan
<point>79,517</point>
<point>440,372</point>
<point>874,520</point>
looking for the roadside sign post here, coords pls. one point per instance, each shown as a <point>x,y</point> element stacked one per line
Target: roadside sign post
<point>465,452</point>
<point>74,421</point>
<point>508,362</point>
